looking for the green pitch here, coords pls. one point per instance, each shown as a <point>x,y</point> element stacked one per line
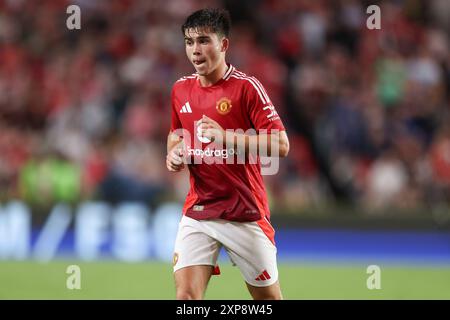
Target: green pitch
<point>114,280</point>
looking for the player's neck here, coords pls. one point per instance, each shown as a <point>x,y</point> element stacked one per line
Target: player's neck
<point>215,76</point>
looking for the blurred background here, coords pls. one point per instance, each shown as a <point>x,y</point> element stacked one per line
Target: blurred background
<point>84,117</point>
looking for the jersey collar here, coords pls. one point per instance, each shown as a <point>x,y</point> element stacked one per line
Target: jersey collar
<point>229,72</point>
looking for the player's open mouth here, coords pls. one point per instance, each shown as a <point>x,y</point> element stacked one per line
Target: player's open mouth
<point>199,62</point>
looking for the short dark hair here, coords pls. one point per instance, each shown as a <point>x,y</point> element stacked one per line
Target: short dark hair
<point>215,20</point>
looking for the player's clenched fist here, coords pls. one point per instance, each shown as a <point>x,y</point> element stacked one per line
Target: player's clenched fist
<point>175,160</point>
<point>211,129</point>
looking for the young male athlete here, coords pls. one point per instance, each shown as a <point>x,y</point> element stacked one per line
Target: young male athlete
<point>226,205</point>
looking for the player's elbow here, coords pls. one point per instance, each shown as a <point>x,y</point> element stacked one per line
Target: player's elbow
<point>283,145</point>
<point>284,150</point>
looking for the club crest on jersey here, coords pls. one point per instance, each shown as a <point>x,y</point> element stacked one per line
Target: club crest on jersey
<point>175,258</point>
<point>223,106</point>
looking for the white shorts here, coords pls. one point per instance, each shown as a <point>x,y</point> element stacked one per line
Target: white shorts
<point>199,242</point>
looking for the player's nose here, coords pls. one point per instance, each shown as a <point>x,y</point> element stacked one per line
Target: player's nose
<point>196,49</point>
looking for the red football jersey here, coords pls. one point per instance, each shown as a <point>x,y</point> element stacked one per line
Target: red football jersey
<point>227,191</point>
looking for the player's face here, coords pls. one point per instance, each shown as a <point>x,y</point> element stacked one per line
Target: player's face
<point>205,50</point>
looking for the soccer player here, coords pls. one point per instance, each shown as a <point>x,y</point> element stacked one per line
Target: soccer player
<point>227,204</point>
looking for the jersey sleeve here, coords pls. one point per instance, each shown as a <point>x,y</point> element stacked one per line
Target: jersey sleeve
<point>262,112</point>
<point>175,123</point>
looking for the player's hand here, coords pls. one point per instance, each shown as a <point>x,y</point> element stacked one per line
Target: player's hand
<point>211,129</point>
<point>175,160</point>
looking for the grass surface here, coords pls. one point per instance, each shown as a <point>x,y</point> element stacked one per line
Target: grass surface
<point>115,280</point>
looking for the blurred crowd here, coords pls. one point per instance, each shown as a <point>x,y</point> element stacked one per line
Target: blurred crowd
<point>84,114</point>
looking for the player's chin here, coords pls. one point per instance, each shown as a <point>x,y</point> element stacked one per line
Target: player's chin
<point>201,70</point>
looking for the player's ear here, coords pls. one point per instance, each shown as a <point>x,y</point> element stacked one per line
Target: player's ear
<point>225,44</point>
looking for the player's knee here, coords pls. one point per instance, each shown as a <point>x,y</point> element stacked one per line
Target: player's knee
<point>268,296</point>
<point>186,294</point>
<point>272,292</point>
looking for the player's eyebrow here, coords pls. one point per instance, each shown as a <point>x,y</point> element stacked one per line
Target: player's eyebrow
<point>198,38</point>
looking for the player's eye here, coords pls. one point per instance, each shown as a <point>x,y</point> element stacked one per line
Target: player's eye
<point>189,42</point>
<point>204,41</point>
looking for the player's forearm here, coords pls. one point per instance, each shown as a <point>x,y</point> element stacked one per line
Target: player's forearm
<point>271,145</point>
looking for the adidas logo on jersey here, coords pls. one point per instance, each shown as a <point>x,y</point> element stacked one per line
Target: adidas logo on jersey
<point>186,108</point>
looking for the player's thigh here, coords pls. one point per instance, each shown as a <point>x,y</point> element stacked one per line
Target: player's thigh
<point>193,246</point>
<point>191,282</point>
<point>195,256</point>
<point>272,292</point>
<point>253,252</point>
